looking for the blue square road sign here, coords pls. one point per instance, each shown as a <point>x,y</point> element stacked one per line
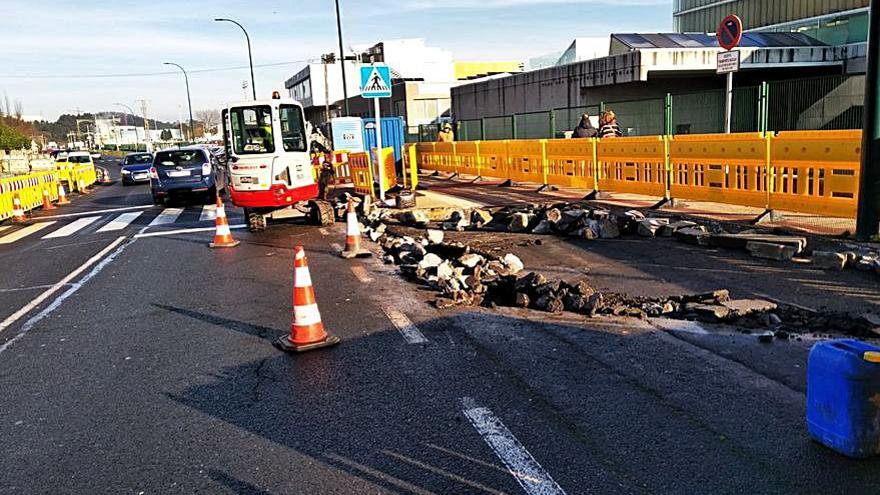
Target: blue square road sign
<point>375,81</point>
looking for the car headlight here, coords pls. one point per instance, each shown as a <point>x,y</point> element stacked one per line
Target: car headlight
<point>126,172</point>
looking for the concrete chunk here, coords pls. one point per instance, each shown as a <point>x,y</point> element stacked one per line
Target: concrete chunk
<point>741,241</point>
<point>513,264</point>
<point>693,235</point>
<point>434,236</point>
<point>480,217</point>
<point>743,307</point>
<point>771,251</point>
<point>829,260</point>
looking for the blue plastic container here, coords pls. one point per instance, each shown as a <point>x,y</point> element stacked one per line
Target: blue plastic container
<point>843,396</point>
<point>392,136</point>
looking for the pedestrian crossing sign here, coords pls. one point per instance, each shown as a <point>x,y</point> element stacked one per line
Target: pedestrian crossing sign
<point>375,81</point>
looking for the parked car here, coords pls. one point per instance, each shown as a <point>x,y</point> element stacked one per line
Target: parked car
<point>79,157</point>
<point>184,172</point>
<point>96,155</point>
<point>136,168</point>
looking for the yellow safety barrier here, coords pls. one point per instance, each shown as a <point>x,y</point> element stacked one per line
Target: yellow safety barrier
<point>29,190</point>
<point>467,154</point>
<point>525,161</point>
<point>572,163</point>
<point>493,159</point>
<point>720,168</point>
<point>389,168</point>
<point>633,165</point>
<point>361,173</point>
<point>816,172</point>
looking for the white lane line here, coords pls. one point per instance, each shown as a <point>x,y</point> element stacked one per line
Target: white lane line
<point>121,221</point>
<point>71,228</point>
<point>109,210</point>
<point>19,234</point>
<point>4,227</point>
<point>33,320</point>
<point>520,463</point>
<point>55,288</point>
<point>361,273</point>
<point>187,231</point>
<point>19,289</point>
<point>168,215</point>
<point>209,212</point>
<point>410,332</point>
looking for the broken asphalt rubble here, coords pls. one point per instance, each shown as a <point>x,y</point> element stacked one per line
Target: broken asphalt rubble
<point>466,276</point>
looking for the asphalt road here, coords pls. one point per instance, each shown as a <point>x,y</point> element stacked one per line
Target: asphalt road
<point>151,370</point>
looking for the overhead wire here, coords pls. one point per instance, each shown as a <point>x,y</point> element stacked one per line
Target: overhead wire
<point>147,74</point>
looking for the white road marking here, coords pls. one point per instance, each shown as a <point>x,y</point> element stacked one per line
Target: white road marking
<point>4,227</point>
<point>55,288</point>
<point>19,289</point>
<point>71,228</point>
<point>209,212</point>
<point>520,463</point>
<point>187,231</point>
<point>110,210</point>
<point>168,215</point>
<point>410,332</point>
<point>683,326</point>
<point>361,273</point>
<point>19,234</point>
<point>120,222</point>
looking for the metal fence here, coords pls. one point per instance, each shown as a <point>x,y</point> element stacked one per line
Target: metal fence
<point>818,103</point>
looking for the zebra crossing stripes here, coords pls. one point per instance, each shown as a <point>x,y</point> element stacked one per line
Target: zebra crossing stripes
<point>168,215</point>
<point>71,227</point>
<point>22,233</point>
<point>120,222</point>
<point>209,212</point>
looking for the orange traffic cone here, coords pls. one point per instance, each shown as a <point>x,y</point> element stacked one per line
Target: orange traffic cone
<point>353,236</point>
<point>82,187</point>
<point>62,196</point>
<point>47,202</point>
<point>306,331</point>
<point>17,210</point>
<point>223,236</point>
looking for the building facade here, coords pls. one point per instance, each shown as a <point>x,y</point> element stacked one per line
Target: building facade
<point>835,22</point>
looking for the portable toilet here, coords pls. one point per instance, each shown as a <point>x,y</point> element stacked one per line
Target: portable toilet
<point>392,136</point>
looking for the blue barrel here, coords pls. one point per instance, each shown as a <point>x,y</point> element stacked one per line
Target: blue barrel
<point>843,396</point>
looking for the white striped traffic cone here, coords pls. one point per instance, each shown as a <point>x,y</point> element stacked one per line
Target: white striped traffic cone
<point>47,201</point>
<point>17,210</point>
<point>306,330</point>
<point>62,196</point>
<point>222,236</point>
<point>353,235</point>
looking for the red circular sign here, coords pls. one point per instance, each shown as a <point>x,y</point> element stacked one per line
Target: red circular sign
<point>730,32</point>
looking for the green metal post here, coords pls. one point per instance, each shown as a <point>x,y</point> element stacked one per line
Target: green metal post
<point>513,125</point>
<point>868,215</point>
<point>667,115</point>
<point>764,107</point>
<point>482,129</point>
<point>601,107</point>
<point>552,124</point>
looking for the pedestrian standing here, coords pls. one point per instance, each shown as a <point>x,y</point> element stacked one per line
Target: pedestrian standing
<point>608,126</point>
<point>445,135</point>
<point>585,128</point>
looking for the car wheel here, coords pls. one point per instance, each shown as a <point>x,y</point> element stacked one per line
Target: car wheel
<point>158,201</point>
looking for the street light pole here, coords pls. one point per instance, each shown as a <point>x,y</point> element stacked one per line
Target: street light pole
<point>192,131</point>
<point>250,57</point>
<point>868,215</point>
<point>341,58</point>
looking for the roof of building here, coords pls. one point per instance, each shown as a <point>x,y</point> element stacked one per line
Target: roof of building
<point>635,41</point>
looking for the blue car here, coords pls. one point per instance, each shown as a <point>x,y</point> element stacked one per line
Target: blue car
<point>185,172</point>
<point>136,168</point>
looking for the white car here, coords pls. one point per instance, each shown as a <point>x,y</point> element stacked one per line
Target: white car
<point>96,155</point>
<point>79,157</point>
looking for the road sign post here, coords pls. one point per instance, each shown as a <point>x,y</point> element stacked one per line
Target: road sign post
<point>729,35</point>
<point>375,84</point>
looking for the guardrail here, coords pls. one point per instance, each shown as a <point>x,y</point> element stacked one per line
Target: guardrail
<point>814,172</point>
<point>28,188</point>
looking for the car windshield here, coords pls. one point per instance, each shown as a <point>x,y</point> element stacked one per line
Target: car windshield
<point>79,159</point>
<point>133,159</point>
<point>252,130</point>
<point>62,159</point>
<point>180,158</point>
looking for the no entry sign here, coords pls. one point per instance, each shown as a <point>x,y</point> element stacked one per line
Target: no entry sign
<point>730,32</point>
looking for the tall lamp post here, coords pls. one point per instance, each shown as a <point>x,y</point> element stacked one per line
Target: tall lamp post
<point>133,114</point>
<point>250,57</point>
<point>192,131</point>
<point>341,58</point>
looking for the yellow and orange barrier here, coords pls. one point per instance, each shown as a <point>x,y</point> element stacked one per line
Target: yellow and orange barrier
<point>364,173</point>
<point>28,188</point>
<point>814,172</point>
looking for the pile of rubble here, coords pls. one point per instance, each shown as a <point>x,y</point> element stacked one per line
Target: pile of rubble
<point>582,221</point>
<point>465,276</point>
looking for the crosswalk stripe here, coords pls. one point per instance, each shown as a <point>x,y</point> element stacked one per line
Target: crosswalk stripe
<point>4,227</point>
<point>168,215</point>
<point>209,212</point>
<point>120,222</point>
<point>71,228</point>
<point>19,234</point>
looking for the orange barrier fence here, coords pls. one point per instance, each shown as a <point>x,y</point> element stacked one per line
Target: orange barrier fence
<point>365,174</point>
<point>814,172</point>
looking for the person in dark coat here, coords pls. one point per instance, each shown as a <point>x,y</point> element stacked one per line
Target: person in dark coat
<point>585,128</point>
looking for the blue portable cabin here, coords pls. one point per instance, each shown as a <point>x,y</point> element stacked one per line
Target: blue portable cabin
<point>392,136</point>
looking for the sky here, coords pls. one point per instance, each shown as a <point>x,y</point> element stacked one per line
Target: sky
<point>50,49</point>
